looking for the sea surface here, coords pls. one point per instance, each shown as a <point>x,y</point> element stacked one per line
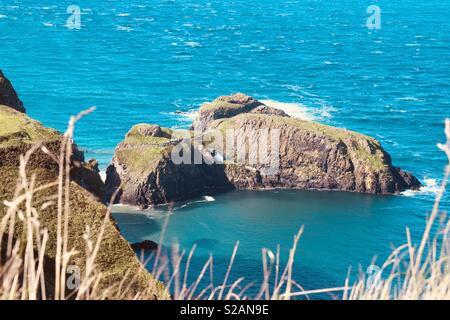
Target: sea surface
<point>151,61</point>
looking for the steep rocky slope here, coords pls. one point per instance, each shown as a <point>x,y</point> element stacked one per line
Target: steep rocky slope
<point>17,134</point>
<point>116,258</point>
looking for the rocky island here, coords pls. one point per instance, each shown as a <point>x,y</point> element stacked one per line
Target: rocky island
<point>18,133</point>
<point>310,155</point>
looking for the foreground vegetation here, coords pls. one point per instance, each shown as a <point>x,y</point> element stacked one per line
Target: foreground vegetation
<point>56,240</point>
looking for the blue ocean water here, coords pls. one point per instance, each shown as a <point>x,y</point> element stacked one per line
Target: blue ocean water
<point>157,61</point>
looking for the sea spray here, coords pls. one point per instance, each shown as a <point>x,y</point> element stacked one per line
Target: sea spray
<point>296,110</point>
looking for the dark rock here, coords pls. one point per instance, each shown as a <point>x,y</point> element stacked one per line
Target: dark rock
<point>146,245</point>
<point>263,109</point>
<point>143,174</point>
<point>8,95</point>
<point>87,175</point>
<point>315,156</point>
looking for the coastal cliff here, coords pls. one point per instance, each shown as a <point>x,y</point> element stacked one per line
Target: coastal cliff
<point>115,258</point>
<point>309,156</point>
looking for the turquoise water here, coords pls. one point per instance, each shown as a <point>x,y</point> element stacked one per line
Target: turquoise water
<point>157,61</point>
<point>342,230</point>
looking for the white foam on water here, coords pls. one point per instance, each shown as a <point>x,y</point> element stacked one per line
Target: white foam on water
<point>408,99</point>
<point>185,115</point>
<point>192,44</point>
<point>295,110</point>
<point>102,175</point>
<point>184,118</point>
<point>122,28</point>
<point>398,111</point>
<point>430,186</point>
<point>209,198</point>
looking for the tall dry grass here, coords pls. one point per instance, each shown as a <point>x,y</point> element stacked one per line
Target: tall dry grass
<point>22,257</point>
<point>412,272</point>
<point>416,272</point>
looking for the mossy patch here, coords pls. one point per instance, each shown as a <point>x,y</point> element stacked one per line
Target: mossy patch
<point>141,153</point>
<point>217,104</point>
<point>16,127</point>
<point>140,159</point>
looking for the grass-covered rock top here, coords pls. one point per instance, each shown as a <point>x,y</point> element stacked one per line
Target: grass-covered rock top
<point>18,128</point>
<point>144,145</point>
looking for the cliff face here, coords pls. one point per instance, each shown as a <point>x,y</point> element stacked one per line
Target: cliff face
<point>309,155</point>
<point>18,133</point>
<point>312,156</point>
<point>8,95</point>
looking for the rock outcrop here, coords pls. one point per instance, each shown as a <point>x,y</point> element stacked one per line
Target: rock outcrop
<point>8,95</point>
<point>87,175</point>
<point>309,155</point>
<point>144,174</point>
<point>18,133</point>
<point>263,109</point>
<point>312,156</point>
<point>224,107</point>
